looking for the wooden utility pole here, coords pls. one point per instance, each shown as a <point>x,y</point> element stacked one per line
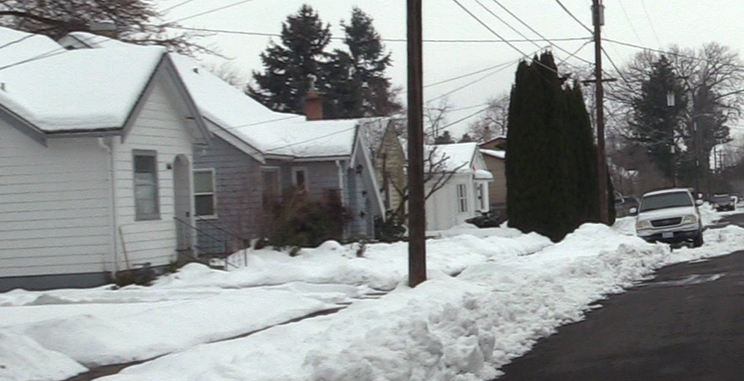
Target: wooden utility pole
<point>598,19</point>
<point>416,201</point>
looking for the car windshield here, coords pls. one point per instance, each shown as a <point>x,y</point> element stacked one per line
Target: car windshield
<point>665,200</point>
<point>721,199</point>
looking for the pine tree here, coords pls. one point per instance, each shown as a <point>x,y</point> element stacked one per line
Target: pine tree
<point>368,91</point>
<point>656,124</point>
<point>288,67</point>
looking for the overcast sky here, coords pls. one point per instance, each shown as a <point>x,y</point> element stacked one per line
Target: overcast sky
<point>648,23</point>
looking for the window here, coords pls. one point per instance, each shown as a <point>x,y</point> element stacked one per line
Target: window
<point>270,184</point>
<point>146,198</point>
<point>205,201</point>
<point>462,198</point>
<point>481,199</point>
<point>299,178</point>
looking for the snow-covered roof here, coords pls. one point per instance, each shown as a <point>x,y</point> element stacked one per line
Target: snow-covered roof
<point>494,153</point>
<point>459,157</point>
<point>230,109</point>
<point>66,91</point>
<point>268,131</point>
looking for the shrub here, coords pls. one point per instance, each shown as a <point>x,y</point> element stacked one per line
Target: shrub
<point>298,220</point>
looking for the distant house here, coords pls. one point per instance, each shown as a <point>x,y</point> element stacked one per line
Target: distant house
<point>494,152</point>
<point>461,172</point>
<point>96,152</point>
<point>390,167</point>
<point>495,162</point>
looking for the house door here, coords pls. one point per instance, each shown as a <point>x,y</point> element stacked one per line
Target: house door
<point>182,203</point>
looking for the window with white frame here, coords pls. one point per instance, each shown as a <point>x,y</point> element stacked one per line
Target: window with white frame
<point>462,198</point>
<point>146,195</point>
<point>299,178</point>
<point>205,201</point>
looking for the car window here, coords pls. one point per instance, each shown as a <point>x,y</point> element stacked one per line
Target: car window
<point>719,199</point>
<point>665,200</point>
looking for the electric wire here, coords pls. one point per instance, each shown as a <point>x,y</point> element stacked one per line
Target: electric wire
<point>499,36</point>
<point>627,18</point>
<point>176,6</point>
<point>643,4</point>
<point>506,23</point>
<point>535,31</point>
<point>402,40</point>
<point>211,11</point>
<point>574,17</point>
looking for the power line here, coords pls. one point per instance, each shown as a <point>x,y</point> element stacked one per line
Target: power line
<point>468,74</point>
<point>643,4</point>
<point>625,13</point>
<point>176,6</point>
<point>212,10</point>
<point>463,118</point>
<point>574,17</point>
<point>501,38</point>
<point>505,23</point>
<point>401,40</point>
<point>536,32</point>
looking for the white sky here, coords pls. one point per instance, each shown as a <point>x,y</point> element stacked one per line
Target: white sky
<point>653,24</point>
<point>510,289</point>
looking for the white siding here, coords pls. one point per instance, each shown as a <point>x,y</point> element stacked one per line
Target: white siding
<point>159,127</point>
<point>442,210</point>
<point>54,206</point>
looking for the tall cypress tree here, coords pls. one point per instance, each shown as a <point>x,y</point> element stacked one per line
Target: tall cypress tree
<point>551,162</point>
<point>288,67</point>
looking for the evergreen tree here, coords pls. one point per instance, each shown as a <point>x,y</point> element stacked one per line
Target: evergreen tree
<point>445,138</point>
<point>656,124</point>
<point>368,91</point>
<point>288,67</point>
<point>551,162</point>
<point>465,139</point>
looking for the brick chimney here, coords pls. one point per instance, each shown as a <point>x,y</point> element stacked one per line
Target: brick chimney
<point>313,103</point>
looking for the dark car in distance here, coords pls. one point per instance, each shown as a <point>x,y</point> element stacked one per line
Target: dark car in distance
<point>722,202</point>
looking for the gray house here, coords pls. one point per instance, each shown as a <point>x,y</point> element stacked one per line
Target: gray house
<point>256,154</point>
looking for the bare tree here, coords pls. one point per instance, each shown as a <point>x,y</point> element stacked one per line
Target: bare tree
<point>493,122</point>
<point>435,116</point>
<point>135,21</point>
<point>230,73</point>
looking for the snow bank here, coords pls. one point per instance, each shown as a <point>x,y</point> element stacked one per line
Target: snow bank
<point>22,359</point>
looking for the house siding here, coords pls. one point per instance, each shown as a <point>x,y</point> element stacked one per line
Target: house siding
<point>54,207</point>
<point>239,198</point>
<point>497,189</point>
<point>390,162</point>
<point>160,127</point>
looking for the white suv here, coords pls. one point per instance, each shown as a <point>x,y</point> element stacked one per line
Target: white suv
<point>670,216</point>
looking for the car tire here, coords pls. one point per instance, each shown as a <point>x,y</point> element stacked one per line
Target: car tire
<point>698,240</point>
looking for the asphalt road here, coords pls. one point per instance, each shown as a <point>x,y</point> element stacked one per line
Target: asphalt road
<point>686,324</point>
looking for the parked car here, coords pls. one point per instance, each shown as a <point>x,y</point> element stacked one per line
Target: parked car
<point>490,219</point>
<point>623,205</point>
<point>722,202</point>
<point>670,216</point>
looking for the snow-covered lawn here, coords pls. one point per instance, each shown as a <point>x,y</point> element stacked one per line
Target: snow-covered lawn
<point>491,294</point>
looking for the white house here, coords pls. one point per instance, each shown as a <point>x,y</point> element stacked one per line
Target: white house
<point>96,152</point>
<point>461,170</point>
